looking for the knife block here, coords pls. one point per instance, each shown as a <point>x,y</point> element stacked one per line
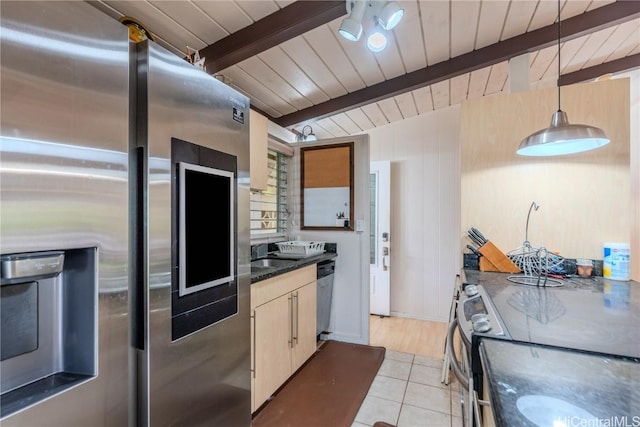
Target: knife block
<point>495,260</point>
<point>485,265</point>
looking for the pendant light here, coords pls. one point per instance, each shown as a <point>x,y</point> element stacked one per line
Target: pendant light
<point>561,137</point>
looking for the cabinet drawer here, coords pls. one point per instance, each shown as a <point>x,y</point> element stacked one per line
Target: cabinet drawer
<point>270,289</point>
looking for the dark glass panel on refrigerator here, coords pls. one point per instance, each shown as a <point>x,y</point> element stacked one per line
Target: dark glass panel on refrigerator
<point>204,287</point>
<point>206,249</point>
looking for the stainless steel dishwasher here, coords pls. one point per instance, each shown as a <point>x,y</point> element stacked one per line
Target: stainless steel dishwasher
<point>325,290</point>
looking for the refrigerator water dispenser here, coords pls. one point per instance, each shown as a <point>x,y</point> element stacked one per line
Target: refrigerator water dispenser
<point>48,337</point>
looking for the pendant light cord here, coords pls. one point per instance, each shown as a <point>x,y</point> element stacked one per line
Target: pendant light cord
<point>559,109</point>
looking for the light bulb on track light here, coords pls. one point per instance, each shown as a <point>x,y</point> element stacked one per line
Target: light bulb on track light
<point>376,41</point>
<point>390,15</point>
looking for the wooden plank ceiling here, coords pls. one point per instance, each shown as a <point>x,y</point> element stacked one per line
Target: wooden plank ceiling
<point>289,59</point>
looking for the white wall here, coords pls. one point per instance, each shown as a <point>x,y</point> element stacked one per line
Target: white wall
<point>350,306</point>
<point>425,210</point>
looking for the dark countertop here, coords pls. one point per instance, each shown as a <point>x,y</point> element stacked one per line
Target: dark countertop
<point>522,375</point>
<point>595,314</point>
<point>263,273</point>
<point>592,284</point>
<point>577,345</point>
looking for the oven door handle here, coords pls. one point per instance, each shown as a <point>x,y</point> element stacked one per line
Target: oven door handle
<point>464,381</point>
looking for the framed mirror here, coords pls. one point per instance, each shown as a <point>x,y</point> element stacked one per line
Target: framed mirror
<point>327,187</point>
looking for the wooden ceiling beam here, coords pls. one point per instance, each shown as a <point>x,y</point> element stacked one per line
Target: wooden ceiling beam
<point>617,65</point>
<point>571,28</point>
<point>272,30</point>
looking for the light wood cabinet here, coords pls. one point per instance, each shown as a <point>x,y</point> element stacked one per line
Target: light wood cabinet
<point>283,329</point>
<point>272,357</point>
<point>259,137</point>
<point>304,303</point>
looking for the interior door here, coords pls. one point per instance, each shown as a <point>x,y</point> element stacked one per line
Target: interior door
<point>380,269</point>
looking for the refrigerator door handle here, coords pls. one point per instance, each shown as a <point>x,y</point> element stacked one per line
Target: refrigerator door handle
<point>139,302</point>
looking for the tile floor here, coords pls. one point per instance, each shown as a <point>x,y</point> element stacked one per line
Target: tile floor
<point>407,392</point>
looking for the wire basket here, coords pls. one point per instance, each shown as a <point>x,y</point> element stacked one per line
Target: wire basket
<point>299,247</point>
<point>535,261</point>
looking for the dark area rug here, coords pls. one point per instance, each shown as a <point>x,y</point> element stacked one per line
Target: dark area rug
<point>327,391</point>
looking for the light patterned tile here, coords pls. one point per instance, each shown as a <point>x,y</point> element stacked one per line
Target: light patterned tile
<point>411,416</point>
<point>375,409</point>
<point>394,369</point>
<point>388,388</point>
<point>426,375</point>
<point>399,356</point>
<point>427,361</point>
<point>428,397</point>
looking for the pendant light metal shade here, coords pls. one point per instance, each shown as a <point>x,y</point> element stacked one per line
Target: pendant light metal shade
<point>562,138</point>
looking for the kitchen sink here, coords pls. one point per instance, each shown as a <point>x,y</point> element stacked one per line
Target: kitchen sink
<point>270,263</point>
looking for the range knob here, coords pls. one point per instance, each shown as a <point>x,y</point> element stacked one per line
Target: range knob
<point>479,317</point>
<point>471,290</point>
<point>481,326</point>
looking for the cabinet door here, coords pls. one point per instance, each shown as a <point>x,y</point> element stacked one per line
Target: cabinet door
<point>304,325</point>
<point>259,136</point>
<point>272,347</point>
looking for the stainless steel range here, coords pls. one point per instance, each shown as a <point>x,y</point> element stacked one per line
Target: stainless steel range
<point>595,315</point>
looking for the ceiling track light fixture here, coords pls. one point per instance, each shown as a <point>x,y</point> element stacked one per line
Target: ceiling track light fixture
<point>351,27</point>
<point>560,137</point>
<point>306,134</point>
<point>376,16</point>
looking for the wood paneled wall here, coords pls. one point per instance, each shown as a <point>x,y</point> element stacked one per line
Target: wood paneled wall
<point>584,198</point>
<point>425,211</point>
<point>635,173</point>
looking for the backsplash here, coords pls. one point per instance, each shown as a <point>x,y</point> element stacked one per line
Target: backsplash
<point>569,266</point>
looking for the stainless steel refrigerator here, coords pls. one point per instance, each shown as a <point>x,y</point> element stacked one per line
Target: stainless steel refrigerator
<point>124,238</point>
<point>192,159</point>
